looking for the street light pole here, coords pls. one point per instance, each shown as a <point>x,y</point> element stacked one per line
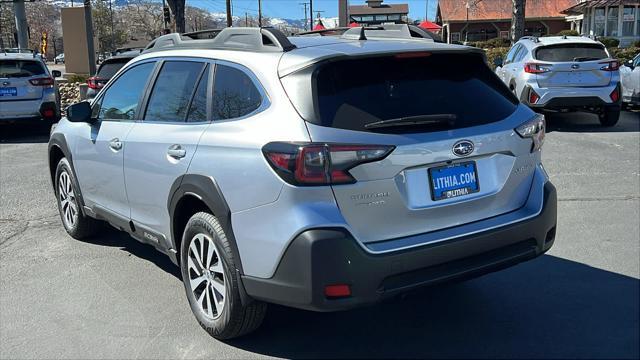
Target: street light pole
<point>466,27</point>
<point>21,24</point>
<point>113,40</point>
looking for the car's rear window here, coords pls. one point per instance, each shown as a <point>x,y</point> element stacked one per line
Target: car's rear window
<point>20,68</point>
<point>352,93</point>
<point>108,69</point>
<point>571,52</point>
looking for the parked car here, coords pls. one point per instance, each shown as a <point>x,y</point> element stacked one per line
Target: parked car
<point>563,73</point>
<point>106,70</point>
<point>630,75</point>
<point>27,89</point>
<point>318,173</point>
<point>59,59</point>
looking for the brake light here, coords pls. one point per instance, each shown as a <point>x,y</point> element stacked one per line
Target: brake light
<point>46,81</point>
<point>536,68</point>
<point>415,54</point>
<point>615,95</point>
<point>535,130</point>
<point>308,164</point>
<point>94,83</point>
<point>612,65</point>
<point>533,97</point>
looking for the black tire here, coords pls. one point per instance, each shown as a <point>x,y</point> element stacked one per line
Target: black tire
<point>235,319</point>
<point>83,226</point>
<point>609,117</point>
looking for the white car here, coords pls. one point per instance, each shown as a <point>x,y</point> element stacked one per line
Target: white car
<point>630,78</point>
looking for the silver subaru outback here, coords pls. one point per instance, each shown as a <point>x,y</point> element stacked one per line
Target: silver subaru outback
<point>322,173</point>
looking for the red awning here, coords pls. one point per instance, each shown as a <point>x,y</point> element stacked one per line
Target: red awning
<point>428,25</point>
<point>354,24</point>
<point>319,26</point>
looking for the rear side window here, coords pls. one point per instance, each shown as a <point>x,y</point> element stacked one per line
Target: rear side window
<point>20,68</point>
<point>571,52</point>
<point>352,93</point>
<point>234,94</point>
<point>108,69</point>
<point>171,93</point>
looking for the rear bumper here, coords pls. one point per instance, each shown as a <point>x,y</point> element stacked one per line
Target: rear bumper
<point>571,98</point>
<point>25,110</point>
<point>320,257</point>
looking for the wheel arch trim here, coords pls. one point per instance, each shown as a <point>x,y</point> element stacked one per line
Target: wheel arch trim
<point>58,141</point>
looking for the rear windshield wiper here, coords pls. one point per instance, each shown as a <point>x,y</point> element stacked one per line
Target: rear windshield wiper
<point>434,119</point>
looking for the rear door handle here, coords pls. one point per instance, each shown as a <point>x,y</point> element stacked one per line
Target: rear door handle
<point>115,144</point>
<point>176,151</point>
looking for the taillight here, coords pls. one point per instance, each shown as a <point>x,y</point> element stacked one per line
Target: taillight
<point>94,83</point>
<point>318,163</point>
<point>46,81</point>
<point>612,65</point>
<point>536,68</point>
<point>535,130</point>
<point>615,95</point>
<point>533,97</point>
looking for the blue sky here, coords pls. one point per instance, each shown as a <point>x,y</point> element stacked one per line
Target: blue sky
<point>290,9</point>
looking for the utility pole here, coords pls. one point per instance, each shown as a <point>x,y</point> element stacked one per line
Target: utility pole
<point>88,21</point>
<point>246,19</point>
<point>306,19</point>
<point>21,24</point>
<point>259,13</point>
<point>426,15</point>
<point>113,39</point>
<point>229,20</point>
<point>311,14</point>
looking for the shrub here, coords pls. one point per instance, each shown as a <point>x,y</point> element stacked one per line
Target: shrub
<point>495,53</point>
<point>623,54</point>
<point>609,42</point>
<point>567,33</point>
<point>492,43</point>
<point>77,78</point>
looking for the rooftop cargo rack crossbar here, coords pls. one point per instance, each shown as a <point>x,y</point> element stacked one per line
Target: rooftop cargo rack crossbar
<point>264,39</point>
<point>387,31</point>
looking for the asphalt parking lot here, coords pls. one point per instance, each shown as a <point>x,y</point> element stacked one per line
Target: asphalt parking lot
<point>112,297</point>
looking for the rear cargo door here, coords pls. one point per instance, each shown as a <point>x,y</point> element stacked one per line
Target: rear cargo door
<point>16,77</point>
<point>467,140</point>
<point>572,65</point>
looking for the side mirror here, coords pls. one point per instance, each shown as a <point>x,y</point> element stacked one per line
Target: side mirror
<point>629,63</point>
<point>497,61</point>
<point>80,112</point>
<point>56,73</point>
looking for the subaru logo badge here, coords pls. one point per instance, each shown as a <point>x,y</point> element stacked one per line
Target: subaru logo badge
<point>575,66</point>
<point>463,148</point>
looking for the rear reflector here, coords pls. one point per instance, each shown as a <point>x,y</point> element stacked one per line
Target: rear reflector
<point>533,97</point>
<point>615,95</point>
<point>48,113</point>
<point>334,291</point>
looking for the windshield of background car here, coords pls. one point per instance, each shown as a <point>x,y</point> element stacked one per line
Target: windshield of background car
<point>354,92</point>
<point>20,68</point>
<point>108,69</point>
<point>569,52</point>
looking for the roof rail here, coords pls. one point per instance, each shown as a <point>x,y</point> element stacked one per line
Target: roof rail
<point>532,38</point>
<point>324,32</point>
<point>388,31</point>
<point>266,39</point>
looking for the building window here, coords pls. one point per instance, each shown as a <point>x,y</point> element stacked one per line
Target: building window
<point>381,17</point>
<point>612,21</point>
<point>504,34</point>
<point>366,18</point>
<point>394,17</point>
<point>599,22</point>
<point>455,37</point>
<point>628,20</point>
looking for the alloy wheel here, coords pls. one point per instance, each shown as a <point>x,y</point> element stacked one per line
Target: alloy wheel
<point>206,276</point>
<point>68,202</point>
